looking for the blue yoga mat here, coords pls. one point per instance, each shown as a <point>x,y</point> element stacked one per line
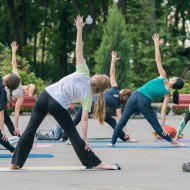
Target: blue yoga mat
<point>137,146</point>
<point>89,140</point>
<point>163,140</point>
<point>102,141</point>
<point>30,156</point>
<point>48,141</point>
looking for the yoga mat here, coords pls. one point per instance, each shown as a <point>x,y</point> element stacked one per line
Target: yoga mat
<point>108,141</point>
<point>55,168</point>
<point>30,156</point>
<point>137,146</point>
<point>42,145</point>
<point>163,140</point>
<point>48,141</point>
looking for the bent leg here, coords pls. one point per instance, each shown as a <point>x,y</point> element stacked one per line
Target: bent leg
<point>88,158</point>
<point>6,144</point>
<point>25,142</point>
<point>183,122</point>
<point>8,122</point>
<point>149,114</point>
<point>112,122</point>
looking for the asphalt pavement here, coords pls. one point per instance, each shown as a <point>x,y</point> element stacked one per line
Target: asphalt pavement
<point>146,165</point>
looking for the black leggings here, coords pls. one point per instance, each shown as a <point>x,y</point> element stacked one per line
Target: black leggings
<point>8,122</point>
<point>43,105</point>
<point>6,144</point>
<point>108,119</point>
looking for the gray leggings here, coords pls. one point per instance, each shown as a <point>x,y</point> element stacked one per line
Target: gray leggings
<point>46,104</point>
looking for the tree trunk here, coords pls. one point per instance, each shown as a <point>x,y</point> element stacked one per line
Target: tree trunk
<point>122,4</point>
<point>76,5</point>
<point>91,6</point>
<point>105,9</point>
<point>44,39</point>
<point>34,51</point>
<point>23,23</point>
<point>15,27</point>
<point>64,41</point>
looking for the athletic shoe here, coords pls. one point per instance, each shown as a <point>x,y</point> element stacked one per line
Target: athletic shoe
<point>186,167</point>
<point>130,139</point>
<point>68,142</point>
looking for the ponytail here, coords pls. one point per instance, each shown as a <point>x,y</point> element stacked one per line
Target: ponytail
<point>99,110</point>
<point>175,96</point>
<point>10,101</point>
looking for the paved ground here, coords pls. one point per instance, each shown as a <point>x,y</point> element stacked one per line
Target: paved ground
<point>142,168</point>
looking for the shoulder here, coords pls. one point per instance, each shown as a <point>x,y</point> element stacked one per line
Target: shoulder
<point>83,69</point>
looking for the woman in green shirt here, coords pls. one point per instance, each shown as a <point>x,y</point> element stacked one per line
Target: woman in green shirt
<point>141,99</point>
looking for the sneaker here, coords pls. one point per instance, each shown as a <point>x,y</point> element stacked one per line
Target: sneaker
<point>130,139</point>
<point>186,167</point>
<point>63,138</point>
<point>68,142</point>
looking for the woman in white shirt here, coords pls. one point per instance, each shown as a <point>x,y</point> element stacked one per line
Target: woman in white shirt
<point>55,99</point>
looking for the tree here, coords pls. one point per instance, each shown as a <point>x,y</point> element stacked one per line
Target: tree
<point>115,37</point>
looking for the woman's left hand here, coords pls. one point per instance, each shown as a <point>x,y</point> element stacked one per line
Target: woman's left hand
<point>164,132</point>
<point>17,132</point>
<point>87,147</point>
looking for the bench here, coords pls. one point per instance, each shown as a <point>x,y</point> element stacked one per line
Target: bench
<point>28,102</point>
<point>184,101</point>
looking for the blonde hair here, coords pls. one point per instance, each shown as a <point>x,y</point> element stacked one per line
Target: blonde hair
<point>99,83</point>
<point>32,89</point>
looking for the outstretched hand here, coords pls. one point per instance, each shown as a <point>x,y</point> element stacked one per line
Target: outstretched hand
<point>156,39</point>
<point>14,46</point>
<point>87,146</point>
<point>79,22</point>
<point>114,56</point>
<point>17,132</point>
<point>164,133</point>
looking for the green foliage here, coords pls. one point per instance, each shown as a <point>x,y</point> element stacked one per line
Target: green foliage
<point>141,27</point>
<point>23,68</point>
<point>168,109</point>
<point>115,37</point>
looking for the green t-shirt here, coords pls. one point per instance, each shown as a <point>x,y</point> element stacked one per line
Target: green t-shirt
<point>86,102</point>
<point>154,89</point>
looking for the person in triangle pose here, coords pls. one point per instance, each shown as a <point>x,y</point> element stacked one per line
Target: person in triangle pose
<point>140,100</point>
<point>55,100</point>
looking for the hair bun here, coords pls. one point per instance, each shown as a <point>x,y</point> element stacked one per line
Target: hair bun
<point>179,84</point>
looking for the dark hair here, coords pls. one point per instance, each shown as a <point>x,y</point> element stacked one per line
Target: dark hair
<point>12,83</point>
<point>179,84</point>
<point>176,97</point>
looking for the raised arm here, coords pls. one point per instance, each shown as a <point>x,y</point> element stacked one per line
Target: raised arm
<point>112,68</point>
<point>157,55</point>
<point>14,47</point>
<point>79,46</point>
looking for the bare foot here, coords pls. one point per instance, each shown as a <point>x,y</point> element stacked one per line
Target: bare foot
<point>104,166</point>
<point>176,143</point>
<point>180,144</point>
<point>14,167</point>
